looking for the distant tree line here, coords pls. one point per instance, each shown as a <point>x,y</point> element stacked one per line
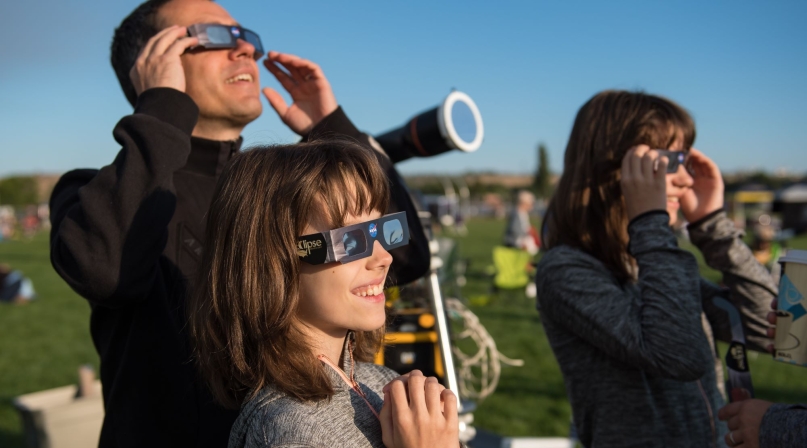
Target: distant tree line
<point>476,189</point>
<point>19,191</point>
<point>540,182</point>
<point>735,182</point>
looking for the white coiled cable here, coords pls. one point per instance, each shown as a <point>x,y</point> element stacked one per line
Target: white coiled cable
<point>487,357</point>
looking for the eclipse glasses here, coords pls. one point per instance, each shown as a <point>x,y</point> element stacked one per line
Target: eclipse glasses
<point>214,36</point>
<point>354,242</point>
<point>675,159</point>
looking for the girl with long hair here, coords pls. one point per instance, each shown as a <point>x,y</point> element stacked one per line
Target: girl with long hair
<point>631,322</point>
<point>289,306</point>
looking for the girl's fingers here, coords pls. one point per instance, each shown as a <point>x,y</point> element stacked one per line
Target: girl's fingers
<point>649,164</point>
<point>398,406</point>
<point>433,391</point>
<point>661,169</point>
<point>387,428</point>
<point>417,394</point>
<point>703,165</point>
<point>626,161</point>
<point>636,161</point>
<point>450,408</point>
<point>403,378</point>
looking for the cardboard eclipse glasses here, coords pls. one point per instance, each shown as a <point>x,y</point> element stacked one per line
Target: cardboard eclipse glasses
<point>675,158</point>
<point>354,242</point>
<point>214,35</point>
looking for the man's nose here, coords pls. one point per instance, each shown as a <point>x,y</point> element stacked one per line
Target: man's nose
<point>244,49</point>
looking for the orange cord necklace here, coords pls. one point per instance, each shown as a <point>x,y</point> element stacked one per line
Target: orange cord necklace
<point>350,381</point>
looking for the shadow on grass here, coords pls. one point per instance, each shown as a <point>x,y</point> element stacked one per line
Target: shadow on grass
<point>9,436</point>
<point>11,439</point>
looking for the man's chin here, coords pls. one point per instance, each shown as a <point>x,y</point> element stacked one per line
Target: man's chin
<point>246,112</point>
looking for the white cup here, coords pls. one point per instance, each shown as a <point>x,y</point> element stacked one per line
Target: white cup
<point>790,345</point>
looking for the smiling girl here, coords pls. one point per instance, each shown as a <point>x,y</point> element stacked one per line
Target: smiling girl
<point>628,317</point>
<point>289,309</point>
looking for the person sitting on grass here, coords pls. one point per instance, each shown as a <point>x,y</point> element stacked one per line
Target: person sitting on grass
<point>14,286</point>
<point>289,308</point>
<point>629,318</point>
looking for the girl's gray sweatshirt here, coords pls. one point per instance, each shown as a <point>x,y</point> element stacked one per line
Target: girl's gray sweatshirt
<point>639,359</point>
<point>274,419</point>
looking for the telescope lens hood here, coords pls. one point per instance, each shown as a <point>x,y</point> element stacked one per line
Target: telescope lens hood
<point>454,124</point>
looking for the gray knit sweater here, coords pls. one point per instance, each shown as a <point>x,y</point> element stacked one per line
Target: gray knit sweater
<point>274,419</point>
<point>784,426</point>
<point>638,359</point>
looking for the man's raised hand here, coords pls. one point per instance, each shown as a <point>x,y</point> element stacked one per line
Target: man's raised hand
<point>159,64</point>
<point>311,94</point>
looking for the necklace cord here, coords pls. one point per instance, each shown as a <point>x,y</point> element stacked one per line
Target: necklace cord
<point>350,381</point>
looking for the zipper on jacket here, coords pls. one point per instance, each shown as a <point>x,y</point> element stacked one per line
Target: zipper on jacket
<point>711,415</point>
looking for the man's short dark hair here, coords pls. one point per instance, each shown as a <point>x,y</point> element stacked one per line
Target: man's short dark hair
<point>130,37</point>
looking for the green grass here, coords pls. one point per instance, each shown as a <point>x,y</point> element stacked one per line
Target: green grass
<point>43,343</point>
<point>530,400</point>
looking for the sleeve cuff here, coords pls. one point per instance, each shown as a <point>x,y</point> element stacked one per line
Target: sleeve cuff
<point>650,231</point>
<point>337,123</point>
<point>706,218</point>
<point>651,212</point>
<point>169,105</point>
<point>715,225</point>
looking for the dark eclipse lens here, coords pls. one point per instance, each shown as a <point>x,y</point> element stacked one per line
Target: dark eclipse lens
<point>354,242</point>
<point>219,35</point>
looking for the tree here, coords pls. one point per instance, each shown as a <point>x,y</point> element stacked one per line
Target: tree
<point>540,183</point>
<point>19,191</point>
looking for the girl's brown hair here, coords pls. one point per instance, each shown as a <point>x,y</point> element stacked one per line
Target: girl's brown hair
<point>242,315</point>
<point>587,210</point>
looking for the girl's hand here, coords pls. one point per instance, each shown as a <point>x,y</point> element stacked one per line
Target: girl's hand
<point>644,183</point>
<point>744,419</point>
<point>424,417</point>
<point>706,194</point>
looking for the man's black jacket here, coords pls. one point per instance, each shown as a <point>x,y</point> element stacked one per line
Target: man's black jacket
<point>128,239</point>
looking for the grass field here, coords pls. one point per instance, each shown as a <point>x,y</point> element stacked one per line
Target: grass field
<point>43,343</point>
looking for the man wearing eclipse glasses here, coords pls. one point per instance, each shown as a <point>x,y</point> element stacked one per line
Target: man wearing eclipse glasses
<point>127,237</point>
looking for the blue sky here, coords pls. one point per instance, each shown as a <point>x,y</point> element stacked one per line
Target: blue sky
<point>740,68</point>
